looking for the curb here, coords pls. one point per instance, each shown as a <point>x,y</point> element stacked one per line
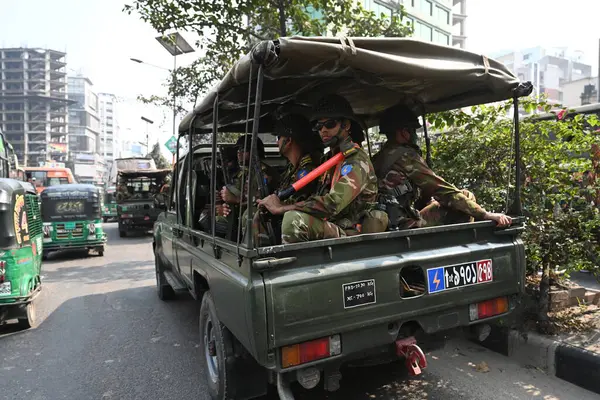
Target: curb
<point>570,363</point>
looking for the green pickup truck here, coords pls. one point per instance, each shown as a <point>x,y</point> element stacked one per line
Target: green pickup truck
<point>298,312</point>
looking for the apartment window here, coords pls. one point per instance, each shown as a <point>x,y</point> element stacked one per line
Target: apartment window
<point>441,38</point>
<point>442,15</point>
<point>423,31</point>
<point>526,56</point>
<point>426,7</point>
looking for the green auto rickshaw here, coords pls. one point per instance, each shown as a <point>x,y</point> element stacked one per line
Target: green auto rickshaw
<point>20,251</point>
<point>109,210</point>
<point>72,216</point>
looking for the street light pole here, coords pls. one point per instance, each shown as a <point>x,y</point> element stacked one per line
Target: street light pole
<point>148,121</point>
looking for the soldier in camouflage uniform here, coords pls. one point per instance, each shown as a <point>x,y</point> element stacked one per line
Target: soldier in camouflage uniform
<point>303,149</point>
<point>404,176</point>
<point>347,193</point>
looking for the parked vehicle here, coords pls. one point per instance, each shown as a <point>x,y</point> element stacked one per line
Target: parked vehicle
<point>129,164</point>
<point>109,210</point>
<point>139,199</point>
<point>20,251</point>
<point>298,312</point>
<point>72,216</point>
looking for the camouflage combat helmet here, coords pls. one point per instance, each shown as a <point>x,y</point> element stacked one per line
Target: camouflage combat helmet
<point>297,127</point>
<point>398,116</point>
<point>259,144</point>
<point>333,106</point>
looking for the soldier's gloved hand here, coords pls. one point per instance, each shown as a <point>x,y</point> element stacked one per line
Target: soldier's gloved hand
<point>501,219</point>
<point>225,210</point>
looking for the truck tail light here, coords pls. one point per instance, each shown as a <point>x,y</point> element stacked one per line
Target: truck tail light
<point>318,349</point>
<point>2,271</point>
<point>488,308</point>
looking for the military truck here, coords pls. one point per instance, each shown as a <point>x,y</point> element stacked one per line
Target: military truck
<point>139,198</point>
<point>129,164</point>
<point>281,313</point>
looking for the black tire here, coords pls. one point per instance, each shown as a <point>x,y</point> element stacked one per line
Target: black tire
<point>122,234</point>
<point>163,289</point>
<point>101,252</point>
<point>105,219</point>
<point>28,319</point>
<point>45,255</point>
<point>220,368</point>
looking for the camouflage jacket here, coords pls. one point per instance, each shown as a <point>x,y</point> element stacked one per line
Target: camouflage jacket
<point>351,195</point>
<point>293,174</point>
<point>237,188</point>
<point>410,172</point>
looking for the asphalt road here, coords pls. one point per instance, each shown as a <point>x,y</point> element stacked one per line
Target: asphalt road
<point>104,334</point>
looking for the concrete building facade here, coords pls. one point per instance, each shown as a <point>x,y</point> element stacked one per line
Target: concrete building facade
<point>84,131</point>
<point>548,69</point>
<point>33,103</point>
<point>581,92</point>
<point>432,20</point>
<point>109,127</point>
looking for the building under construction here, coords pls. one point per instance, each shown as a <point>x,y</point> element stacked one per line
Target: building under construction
<point>33,103</point>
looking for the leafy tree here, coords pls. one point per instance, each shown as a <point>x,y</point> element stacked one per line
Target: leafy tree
<point>228,29</point>
<point>160,160</point>
<point>563,223</point>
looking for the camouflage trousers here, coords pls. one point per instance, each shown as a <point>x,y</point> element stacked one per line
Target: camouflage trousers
<point>435,214</point>
<point>298,226</point>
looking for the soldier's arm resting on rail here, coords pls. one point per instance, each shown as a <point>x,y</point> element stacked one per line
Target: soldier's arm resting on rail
<point>447,194</point>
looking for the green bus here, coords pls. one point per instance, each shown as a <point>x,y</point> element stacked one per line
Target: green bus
<point>72,216</point>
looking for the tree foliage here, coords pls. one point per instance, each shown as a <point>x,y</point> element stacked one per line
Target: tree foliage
<point>227,30</point>
<point>160,160</point>
<point>563,222</point>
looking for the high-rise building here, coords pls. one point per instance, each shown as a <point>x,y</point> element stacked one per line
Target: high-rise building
<point>437,21</point>
<point>84,131</point>
<point>109,127</point>
<point>33,103</point>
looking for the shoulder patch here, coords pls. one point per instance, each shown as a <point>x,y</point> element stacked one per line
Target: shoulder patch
<point>346,169</point>
<point>301,173</point>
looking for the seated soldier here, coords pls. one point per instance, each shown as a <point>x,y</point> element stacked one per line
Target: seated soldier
<point>303,149</point>
<point>347,193</point>
<point>402,173</point>
<point>235,193</point>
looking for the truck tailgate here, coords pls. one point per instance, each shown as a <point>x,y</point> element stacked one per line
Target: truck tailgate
<point>349,286</point>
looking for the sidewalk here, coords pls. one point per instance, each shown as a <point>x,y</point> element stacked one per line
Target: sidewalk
<point>574,358</point>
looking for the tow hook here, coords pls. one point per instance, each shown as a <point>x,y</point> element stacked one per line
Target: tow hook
<point>415,358</point>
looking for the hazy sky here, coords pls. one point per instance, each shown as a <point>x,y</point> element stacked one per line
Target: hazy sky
<point>99,40</point>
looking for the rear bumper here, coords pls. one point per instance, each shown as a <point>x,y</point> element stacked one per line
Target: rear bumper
<point>137,223</point>
<point>20,300</point>
<point>376,341</point>
<point>54,246</point>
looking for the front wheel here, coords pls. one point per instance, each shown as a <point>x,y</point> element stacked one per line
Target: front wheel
<point>44,255</point>
<point>216,348</point>
<point>122,234</point>
<point>101,251</point>
<point>28,319</point>
<point>105,219</point>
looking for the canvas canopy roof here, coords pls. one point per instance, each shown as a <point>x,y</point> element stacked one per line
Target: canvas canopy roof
<point>371,73</point>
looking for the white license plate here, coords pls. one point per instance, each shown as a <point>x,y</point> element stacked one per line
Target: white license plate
<point>5,288</point>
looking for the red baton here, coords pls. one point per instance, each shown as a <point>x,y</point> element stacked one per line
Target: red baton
<point>314,174</point>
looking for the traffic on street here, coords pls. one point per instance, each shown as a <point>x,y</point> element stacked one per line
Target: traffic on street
<point>102,333</point>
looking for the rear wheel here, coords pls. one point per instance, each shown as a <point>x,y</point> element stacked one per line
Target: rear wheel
<point>45,255</point>
<point>105,219</point>
<point>28,319</point>
<point>164,290</point>
<point>122,234</point>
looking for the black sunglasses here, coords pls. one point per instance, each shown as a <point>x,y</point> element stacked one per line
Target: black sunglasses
<point>329,124</point>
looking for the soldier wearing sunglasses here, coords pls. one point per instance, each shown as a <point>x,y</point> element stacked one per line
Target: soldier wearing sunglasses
<point>347,193</point>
